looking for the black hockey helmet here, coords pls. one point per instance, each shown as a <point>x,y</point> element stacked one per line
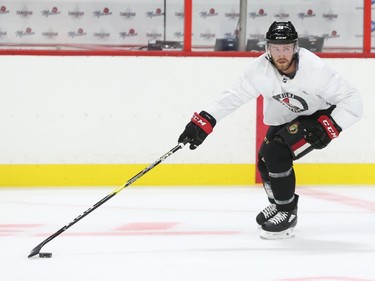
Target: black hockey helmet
<point>281,33</point>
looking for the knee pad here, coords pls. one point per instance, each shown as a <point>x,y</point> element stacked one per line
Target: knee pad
<point>278,157</point>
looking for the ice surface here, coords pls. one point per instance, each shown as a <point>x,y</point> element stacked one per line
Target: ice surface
<point>185,234</point>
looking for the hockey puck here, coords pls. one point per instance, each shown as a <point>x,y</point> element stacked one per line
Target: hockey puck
<point>45,255</point>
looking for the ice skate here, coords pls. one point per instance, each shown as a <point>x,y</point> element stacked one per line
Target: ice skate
<point>266,214</point>
<point>280,226</point>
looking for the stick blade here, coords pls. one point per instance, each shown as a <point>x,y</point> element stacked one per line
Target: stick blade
<point>35,251</point>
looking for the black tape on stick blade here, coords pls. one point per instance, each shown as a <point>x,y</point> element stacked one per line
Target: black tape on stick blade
<point>45,255</point>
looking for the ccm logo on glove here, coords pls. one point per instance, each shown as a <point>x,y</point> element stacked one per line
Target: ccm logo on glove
<point>202,123</point>
<point>199,127</point>
<point>329,126</point>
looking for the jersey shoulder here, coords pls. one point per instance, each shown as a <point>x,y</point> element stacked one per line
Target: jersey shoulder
<point>308,58</point>
<point>258,65</point>
<point>308,61</point>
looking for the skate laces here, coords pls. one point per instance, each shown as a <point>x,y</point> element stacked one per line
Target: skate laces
<point>279,218</point>
<point>269,211</point>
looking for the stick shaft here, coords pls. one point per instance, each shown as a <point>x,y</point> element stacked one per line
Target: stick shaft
<point>37,249</point>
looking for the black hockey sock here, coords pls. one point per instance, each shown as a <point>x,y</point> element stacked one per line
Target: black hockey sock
<point>283,188</point>
<point>279,163</point>
<point>262,168</point>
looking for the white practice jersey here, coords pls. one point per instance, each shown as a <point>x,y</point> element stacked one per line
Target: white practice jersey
<point>315,86</point>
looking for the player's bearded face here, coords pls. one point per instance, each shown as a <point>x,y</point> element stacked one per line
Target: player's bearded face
<point>282,55</point>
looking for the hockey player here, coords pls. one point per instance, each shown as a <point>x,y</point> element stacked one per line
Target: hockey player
<point>306,105</point>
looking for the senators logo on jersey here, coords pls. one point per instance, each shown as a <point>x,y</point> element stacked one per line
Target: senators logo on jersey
<point>293,128</point>
<point>292,102</point>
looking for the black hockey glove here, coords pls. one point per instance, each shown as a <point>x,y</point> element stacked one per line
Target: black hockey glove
<point>319,133</point>
<point>196,131</point>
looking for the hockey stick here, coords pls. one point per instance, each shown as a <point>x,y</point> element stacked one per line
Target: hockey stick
<point>37,249</point>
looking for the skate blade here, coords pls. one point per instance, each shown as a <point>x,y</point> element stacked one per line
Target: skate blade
<point>286,234</point>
